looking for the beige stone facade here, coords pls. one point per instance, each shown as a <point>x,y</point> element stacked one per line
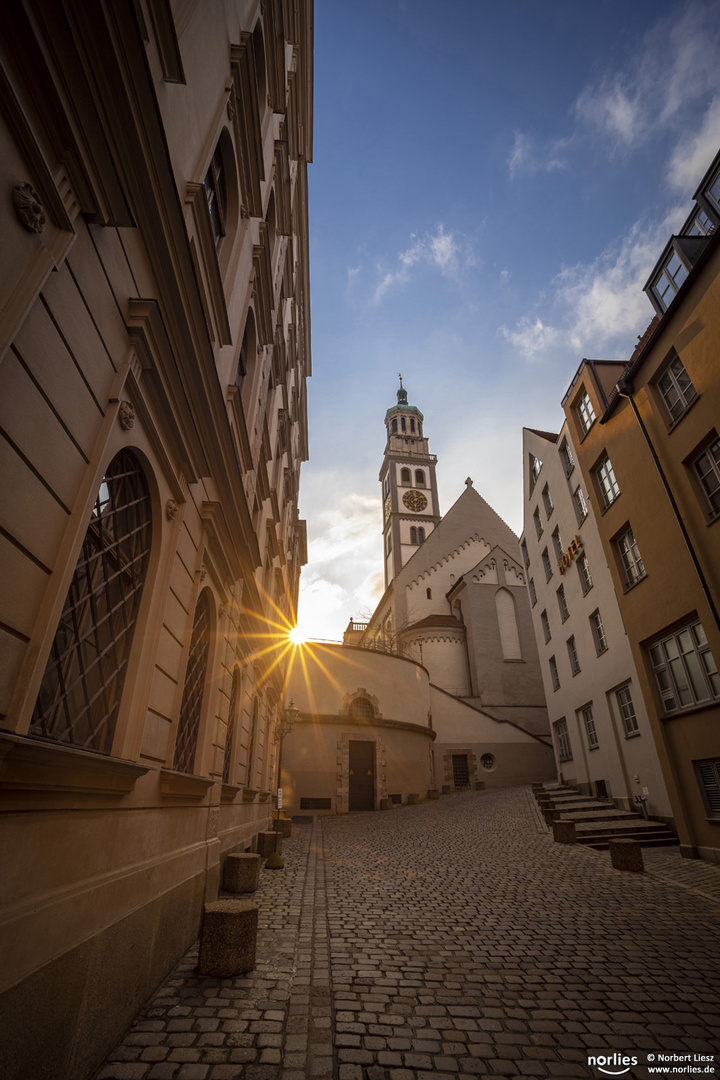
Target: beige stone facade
<point>154,347</point>
<point>601,731</point>
<point>647,438</point>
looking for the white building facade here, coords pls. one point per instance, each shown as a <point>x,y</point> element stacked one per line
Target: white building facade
<point>599,724</point>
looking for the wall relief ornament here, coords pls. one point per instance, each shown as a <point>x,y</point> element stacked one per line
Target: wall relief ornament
<point>171,509</point>
<point>29,208</point>
<point>126,415</point>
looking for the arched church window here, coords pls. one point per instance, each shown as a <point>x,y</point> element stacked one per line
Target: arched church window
<point>419,478</point>
<point>394,425</point>
<point>232,720</point>
<point>421,535</point>
<point>507,625</point>
<point>405,476</point>
<point>361,708</point>
<point>412,425</point>
<point>194,688</point>
<point>80,693</point>
<point>413,535</point>
<point>403,425</point>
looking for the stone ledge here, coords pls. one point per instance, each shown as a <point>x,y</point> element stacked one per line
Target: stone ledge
<point>183,785</point>
<point>41,765</point>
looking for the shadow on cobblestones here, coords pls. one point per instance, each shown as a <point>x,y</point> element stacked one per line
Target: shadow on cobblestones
<point>450,938</point>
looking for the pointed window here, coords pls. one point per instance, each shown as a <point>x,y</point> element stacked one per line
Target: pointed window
<point>80,694</point>
<point>507,625</point>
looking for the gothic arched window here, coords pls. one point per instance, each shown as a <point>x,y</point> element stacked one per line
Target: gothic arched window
<point>419,478</point>
<point>394,425</point>
<point>421,535</point>
<point>405,476</point>
<point>507,625</point>
<point>80,694</point>
<point>193,691</point>
<point>413,535</point>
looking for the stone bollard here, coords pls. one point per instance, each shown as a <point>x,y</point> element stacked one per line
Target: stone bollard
<point>564,832</point>
<point>626,855</point>
<point>266,843</point>
<point>550,815</point>
<point>433,793</point>
<point>227,938</point>
<point>241,873</point>
<point>479,785</point>
<point>447,789</point>
<point>285,827</point>
<point>413,800</point>
<point>385,804</point>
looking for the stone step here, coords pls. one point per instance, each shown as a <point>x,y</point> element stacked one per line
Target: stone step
<point>593,814</point>
<point>645,841</point>
<point>615,826</point>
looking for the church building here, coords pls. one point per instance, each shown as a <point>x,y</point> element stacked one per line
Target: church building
<point>448,658</point>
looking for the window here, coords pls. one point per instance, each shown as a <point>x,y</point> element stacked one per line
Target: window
<point>589,721</point>
<point>562,603</point>
<point>714,191</point>
<point>403,424</point>
<point>632,564</point>
<point>701,225</point>
<point>563,740</point>
<point>419,476</point>
<point>394,425</point>
<point>525,556</point>
<point>685,670</point>
<point>709,776</point>
<point>412,426</point>
<point>533,594</point>
<point>545,622</point>
<point>361,708</point>
<point>669,280</point>
<point>598,632</point>
<point>251,745</point>
<point>80,693</point>
<point>428,594</point>
<point>421,535</point>
<point>547,501</point>
<point>586,582</point>
<point>389,542</point>
<point>580,505</point>
<point>627,710</point>
<point>606,481</point>
<point>461,770</point>
<point>538,522</point>
<point>585,412</point>
<point>566,457</point>
<point>229,737</point>
<point>557,543</point>
<point>707,469</point>
<point>487,761</point>
<point>405,476</point>
<point>554,677</point>
<point>535,467</point>
<point>413,535</point>
<point>216,195</point>
<point>573,656</point>
<point>194,689</point>
<point>676,388</point>
<point>546,564</point>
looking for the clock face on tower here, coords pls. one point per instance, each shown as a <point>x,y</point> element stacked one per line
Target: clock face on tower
<point>415,500</point>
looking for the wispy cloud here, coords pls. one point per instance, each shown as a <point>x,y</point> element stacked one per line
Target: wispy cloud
<point>600,306</point>
<point>530,156</point>
<point>694,153</point>
<point>675,68</point>
<point>445,252</point>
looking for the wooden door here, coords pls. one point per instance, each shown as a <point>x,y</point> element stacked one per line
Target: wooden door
<point>362,776</point>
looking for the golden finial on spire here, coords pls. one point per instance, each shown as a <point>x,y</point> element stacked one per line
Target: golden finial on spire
<point>400,378</point>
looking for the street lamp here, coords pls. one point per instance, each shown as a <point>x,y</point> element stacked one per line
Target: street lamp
<point>284,727</point>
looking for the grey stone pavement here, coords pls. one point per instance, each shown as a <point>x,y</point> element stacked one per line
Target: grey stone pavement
<point>446,940</point>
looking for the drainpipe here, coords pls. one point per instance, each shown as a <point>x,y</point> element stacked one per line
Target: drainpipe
<point>625,389</point>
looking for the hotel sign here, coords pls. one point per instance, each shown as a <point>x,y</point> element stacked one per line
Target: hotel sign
<point>570,552</point>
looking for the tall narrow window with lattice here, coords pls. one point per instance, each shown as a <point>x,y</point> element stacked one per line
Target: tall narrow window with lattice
<point>81,690</point>
<point>194,689</point>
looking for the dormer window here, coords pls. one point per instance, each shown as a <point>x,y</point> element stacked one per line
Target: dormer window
<point>700,224</point>
<point>667,283</point>
<point>714,191</point>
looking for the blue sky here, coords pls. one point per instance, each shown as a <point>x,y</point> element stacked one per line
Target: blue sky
<point>492,182</point>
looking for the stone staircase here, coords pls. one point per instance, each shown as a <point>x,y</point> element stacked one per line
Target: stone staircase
<point>597,821</point>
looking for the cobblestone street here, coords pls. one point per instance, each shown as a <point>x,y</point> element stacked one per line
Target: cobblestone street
<point>448,938</point>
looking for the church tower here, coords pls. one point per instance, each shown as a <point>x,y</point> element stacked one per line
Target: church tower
<point>409,486</point>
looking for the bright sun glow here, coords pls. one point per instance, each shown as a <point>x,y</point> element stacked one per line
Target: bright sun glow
<point>296,636</point>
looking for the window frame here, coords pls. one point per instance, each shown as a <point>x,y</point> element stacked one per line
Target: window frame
<point>567,457</point>
<point>546,564</point>
<point>533,594</point>
<point>598,632</point>
<point>606,482</point>
<point>710,450</point>
<point>573,655</point>
<point>564,745</point>
<point>580,504</point>
<point>547,501</point>
<point>545,624</point>
<point>711,798</point>
<point>583,567</point>
<point>673,371</point>
<point>630,558</point>
<point>668,687</point>
<point>629,728</point>
<point>538,523</point>
<point>554,673</point>
<point>673,286</point>
<point>585,412</point>
<point>588,719</point>
<point>562,603</point>
<point>557,543</point>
